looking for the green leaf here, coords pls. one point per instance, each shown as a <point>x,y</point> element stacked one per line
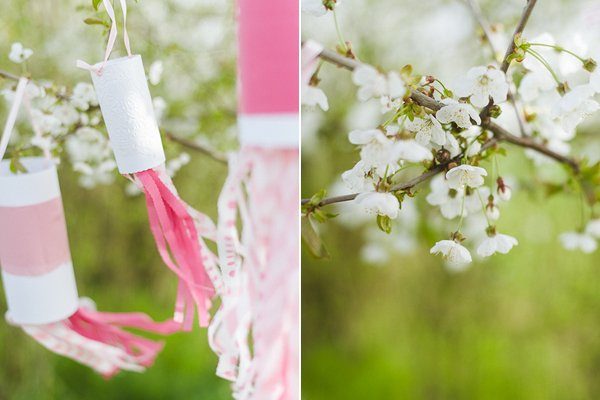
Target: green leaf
<point>95,21</point>
<point>384,223</point>
<point>96,4</point>
<point>312,240</point>
<point>16,167</point>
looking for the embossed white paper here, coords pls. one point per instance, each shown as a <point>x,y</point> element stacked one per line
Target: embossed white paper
<point>127,109</point>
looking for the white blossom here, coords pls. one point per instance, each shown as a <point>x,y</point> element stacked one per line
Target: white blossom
<point>373,84</point>
<point>160,106</point>
<point>595,80</point>
<point>534,83</point>
<point>497,243</point>
<point>84,96</point>
<point>575,106</point>
<point>465,175</point>
<point>578,241</point>
<point>492,212</point>
<point>313,96</point>
<point>482,83</point>
<point>66,114</point>
<point>175,164</point>
<point>459,113</point>
<point>593,228</point>
<point>454,253</point>
<point>155,72</point>
<point>504,193</point>
<point>356,179</point>
<point>379,203</point>
<point>427,130</point>
<point>377,150</point>
<point>18,53</point>
<point>411,151</point>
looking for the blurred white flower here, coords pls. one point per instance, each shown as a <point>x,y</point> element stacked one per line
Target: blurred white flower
<point>578,241</point>
<point>498,243</point>
<point>459,113</point>
<point>44,143</point>
<point>160,105</point>
<point>454,253</point>
<point>575,106</point>
<point>481,83</point>
<point>373,84</point>
<point>465,175</point>
<point>313,96</point>
<point>18,53</point>
<point>313,7</point>
<point>155,72</point>
<point>175,164</point>
<point>46,123</point>
<point>66,114</point>
<point>593,228</point>
<point>84,96</point>
<point>427,130</point>
<point>595,80</point>
<point>90,154</point>
<point>492,212</point>
<point>379,203</point>
<point>534,83</point>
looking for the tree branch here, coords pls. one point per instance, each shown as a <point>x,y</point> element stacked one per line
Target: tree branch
<point>500,134</point>
<point>206,150</point>
<point>518,31</point>
<point>487,32</point>
<point>8,75</point>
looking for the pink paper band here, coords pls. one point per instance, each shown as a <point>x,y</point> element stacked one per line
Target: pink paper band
<point>33,239</point>
<point>268,56</point>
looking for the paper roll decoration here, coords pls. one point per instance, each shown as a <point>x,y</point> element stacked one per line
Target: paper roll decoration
<point>128,113</point>
<point>126,106</point>
<point>39,283</point>
<point>37,271</point>
<point>255,331</point>
<point>268,42</point>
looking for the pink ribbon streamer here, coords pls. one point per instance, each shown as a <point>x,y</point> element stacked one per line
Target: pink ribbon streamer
<point>181,248</point>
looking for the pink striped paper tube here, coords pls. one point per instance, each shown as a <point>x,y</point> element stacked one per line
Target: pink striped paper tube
<point>34,251</point>
<point>268,43</point>
<point>39,283</point>
<point>260,267</point>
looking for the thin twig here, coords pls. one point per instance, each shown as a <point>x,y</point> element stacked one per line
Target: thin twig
<point>8,75</point>
<point>214,154</point>
<point>518,31</point>
<point>486,27</point>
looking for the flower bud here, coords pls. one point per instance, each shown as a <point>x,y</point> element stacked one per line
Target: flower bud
<point>504,191</point>
<point>590,65</point>
<point>492,212</point>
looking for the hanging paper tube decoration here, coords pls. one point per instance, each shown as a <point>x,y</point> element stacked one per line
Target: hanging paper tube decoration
<point>38,277</point>
<point>126,106</point>
<point>255,332</point>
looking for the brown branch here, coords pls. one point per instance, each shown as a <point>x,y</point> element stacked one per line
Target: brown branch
<point>487,32</point>
<point>500,134</point>
<point>8,75</point>
<point>518,31</point>
<point>214,154</point>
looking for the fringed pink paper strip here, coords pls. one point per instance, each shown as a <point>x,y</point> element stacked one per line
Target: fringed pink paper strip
<point>260,309</point>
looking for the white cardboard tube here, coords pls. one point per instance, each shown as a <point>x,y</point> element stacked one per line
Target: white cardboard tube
<point>49,293</point>
<point>128,112</point>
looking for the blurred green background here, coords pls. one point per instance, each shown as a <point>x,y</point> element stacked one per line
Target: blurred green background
<point>114,255</point>
<point>398,324</point>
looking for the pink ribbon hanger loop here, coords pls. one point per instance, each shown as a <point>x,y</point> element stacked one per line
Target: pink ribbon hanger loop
<point>112,37</point>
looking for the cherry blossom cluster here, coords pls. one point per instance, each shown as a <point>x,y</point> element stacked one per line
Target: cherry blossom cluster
<point>556,89</point>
